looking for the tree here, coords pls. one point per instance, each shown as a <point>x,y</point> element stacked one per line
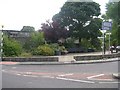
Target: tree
<point>94,32</point>
<point>28,29</point>
<point>11,47</point>
<point>36,39</point>
<point>113,13</point>
<point>53,32</point>
<point>81,19</point>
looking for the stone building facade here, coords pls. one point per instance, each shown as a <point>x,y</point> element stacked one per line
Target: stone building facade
<point>21,36</point>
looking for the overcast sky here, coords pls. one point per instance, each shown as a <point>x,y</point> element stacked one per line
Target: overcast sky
<point>14,14</point>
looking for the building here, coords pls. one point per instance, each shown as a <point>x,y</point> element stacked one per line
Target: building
<point>21,36</point>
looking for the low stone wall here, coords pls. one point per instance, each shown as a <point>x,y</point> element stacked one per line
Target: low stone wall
<point>96,57</point>
<point>59,58</point>
<point>32,59</point>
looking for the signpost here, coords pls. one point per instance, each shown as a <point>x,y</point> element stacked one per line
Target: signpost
<point>109,40</point>
<point>106,25</point>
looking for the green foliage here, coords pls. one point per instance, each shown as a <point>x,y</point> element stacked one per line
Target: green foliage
<point>113,13</point>
<point>69,42</point>
<point>105,17</point>
<point>96,43</point>
<point>11,47</point>
<point>55,46</point>
<point>45,50</point>
<point>24,54</point>
<point>86,43</point>
<point>28,29</point>
<point>114,35</point>
<point>81,18</point>
<point>36,39</point>
<point>62,48</point>
<point>113,10</point>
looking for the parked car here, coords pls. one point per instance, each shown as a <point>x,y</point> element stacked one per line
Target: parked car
<point>90,50</point>
<point>117,48</point>
<point>114,49</point>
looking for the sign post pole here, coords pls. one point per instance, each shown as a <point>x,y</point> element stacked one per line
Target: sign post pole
<point>106,26</point>
<point>104,49</point>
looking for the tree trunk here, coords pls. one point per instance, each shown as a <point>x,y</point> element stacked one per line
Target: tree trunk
<point>79,41</point>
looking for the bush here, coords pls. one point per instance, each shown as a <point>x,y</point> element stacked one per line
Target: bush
<point>36,39</point>
<point>24,54</point>
<point>45,50</point>
<point>55,46</point>
<point>11,47</point>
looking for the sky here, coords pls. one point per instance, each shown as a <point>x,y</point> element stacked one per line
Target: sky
<point>14,14</point>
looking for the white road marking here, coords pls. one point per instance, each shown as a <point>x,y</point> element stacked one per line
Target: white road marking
<point>48,77</point>
<point>26,75</point>
<point>95,76</point>
<point>18,74</point>
<point>33,76</point>
<point>67,79</point>
<point>109,82</point>
<point>14,67</point>
<point>101,79</point>
<point>66,74</point>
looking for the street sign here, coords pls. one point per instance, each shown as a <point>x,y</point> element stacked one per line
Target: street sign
<point>106,25</point>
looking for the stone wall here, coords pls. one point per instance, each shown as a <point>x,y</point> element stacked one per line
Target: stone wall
<point>32,59</point>
<point>96,57</point>
<point>59,58</point>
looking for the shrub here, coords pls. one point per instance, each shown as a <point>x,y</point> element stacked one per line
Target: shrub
<point>24,54</point>
<point>36,39</point>
<point>55,46</point>
<point>11,47</point>
<point>45,50</point>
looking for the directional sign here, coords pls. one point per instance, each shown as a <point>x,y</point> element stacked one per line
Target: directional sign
<point>106,25</point>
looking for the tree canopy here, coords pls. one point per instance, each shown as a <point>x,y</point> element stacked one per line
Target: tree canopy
<point>113,13</point>
<point>81,19</point>
<point>53,32</point>
<point>28,28</point>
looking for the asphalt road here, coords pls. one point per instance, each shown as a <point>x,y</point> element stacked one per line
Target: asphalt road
<point>97,75</point>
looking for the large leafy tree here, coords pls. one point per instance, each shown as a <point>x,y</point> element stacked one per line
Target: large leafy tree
<point>113,13</point>
<point>53,32</point>
<point>81,18</point>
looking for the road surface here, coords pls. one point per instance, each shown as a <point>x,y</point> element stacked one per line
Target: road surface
<point>97,75</point>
